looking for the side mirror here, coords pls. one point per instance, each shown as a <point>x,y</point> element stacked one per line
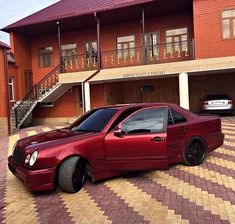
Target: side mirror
<point>118,132</point>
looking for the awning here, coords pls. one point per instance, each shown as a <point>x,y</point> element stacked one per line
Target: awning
<point>167,69</point>
<point>75,77</point>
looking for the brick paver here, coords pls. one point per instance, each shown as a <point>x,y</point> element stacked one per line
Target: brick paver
<point>202,194</point>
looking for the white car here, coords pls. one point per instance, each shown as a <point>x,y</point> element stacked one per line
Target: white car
<point>218,104</point>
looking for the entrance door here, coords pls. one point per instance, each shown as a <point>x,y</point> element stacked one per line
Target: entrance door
<point>148,93</point>
<point>142,142</point>
<point>28,80</point>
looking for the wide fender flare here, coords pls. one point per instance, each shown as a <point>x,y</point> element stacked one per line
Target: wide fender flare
<point>70,152</point>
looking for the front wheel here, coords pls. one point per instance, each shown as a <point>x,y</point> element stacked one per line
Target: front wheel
<point>72,174</point>
<point>195,152</point>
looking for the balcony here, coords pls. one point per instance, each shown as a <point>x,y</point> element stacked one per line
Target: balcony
<point>78,63</point>
<point>154,54</point>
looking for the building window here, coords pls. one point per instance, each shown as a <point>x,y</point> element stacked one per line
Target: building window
<point>46,57</point>
<point>228,24</point>
<point>177,40</point>
<point>11,89</point>
<point>126,46</point>
<point>91,53</point>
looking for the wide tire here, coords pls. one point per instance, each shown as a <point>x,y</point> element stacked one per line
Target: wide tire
<point>72,174</point>
<point>195,152</point>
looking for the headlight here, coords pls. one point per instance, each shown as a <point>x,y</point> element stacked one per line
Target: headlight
<point>27,159</point>
<point>13,149</point>
<point>33,158</point>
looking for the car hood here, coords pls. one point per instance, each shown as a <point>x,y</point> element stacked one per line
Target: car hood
<point>51,136</point>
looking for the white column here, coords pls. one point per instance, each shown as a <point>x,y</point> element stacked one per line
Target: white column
<point>87,96</point>
<point>184,90</point>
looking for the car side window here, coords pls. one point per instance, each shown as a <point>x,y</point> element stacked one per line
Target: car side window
<point>146,121</point>
<point>177,118</point>
<point>123,116</point>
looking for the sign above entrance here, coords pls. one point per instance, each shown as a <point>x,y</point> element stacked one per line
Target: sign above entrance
<point>143,74</point>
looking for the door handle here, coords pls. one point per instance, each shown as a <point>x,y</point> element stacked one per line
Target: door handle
<point>183,129</point>
<point>157,139</point>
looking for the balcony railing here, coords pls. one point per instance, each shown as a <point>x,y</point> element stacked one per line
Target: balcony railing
<point>154,54</point>
<point>79,62</point>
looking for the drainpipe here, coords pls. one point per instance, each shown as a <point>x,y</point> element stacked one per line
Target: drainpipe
<point>7,90</point>
<point>193,49</point>
<point>98,62</point>
<point>59,43</point>
<point>143,33</point>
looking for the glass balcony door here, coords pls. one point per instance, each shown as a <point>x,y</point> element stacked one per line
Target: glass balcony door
<point>152,41</point>
<point>90,53</point>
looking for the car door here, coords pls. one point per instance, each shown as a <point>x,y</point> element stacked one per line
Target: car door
<point>177,130</point>
<point>141,143</point>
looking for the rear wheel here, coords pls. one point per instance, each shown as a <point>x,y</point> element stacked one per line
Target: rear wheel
<point>72,174</point>
<point>195,152</point>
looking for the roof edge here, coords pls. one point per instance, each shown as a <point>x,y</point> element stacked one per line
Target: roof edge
<point>3,45</point>
<point>12,26</point>
<point>9,27</point>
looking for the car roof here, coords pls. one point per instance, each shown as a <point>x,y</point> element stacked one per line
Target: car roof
<point>131,105</point>
<point>122,107</point>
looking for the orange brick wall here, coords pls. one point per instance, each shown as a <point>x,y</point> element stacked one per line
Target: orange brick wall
<point>208,29</point>
<point>20,46</point>
<point>39,42</point>
<point>3,107</point>
<point>108,42</point>
<point>97,93</point>
<point>65,106</point>
<point>77,37</point>
<point>3,110</point>
<point>110,33</point>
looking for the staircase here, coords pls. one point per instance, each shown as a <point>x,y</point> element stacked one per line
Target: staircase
<point>46,90</point>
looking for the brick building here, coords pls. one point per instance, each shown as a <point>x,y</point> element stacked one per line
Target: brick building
<point>77,55</point>
<point>4,99</point>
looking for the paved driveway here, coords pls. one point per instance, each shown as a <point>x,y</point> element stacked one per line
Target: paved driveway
<point>203,194</point>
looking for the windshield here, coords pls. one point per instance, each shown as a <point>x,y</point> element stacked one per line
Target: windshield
<point>96,121</point>
<point>217,97</point>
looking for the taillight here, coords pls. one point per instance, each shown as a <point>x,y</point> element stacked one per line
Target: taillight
<point>230,102</point>
<point>205,102</point>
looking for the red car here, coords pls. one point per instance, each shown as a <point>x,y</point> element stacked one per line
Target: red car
<point>111,140</point>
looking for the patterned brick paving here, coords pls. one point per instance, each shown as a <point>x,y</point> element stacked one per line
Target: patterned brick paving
<point>202,194</point>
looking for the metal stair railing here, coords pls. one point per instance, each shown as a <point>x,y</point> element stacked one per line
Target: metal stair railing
<point>38,91</point>
<point>25,106</point>
<point>48,82</point>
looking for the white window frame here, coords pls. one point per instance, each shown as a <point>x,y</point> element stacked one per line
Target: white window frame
<point>11,83</point>
<point>229,17</point>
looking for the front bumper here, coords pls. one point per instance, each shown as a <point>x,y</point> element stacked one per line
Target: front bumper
<point>35,180</point>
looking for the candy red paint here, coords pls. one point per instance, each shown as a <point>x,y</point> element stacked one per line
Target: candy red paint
<point>110,152</point>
